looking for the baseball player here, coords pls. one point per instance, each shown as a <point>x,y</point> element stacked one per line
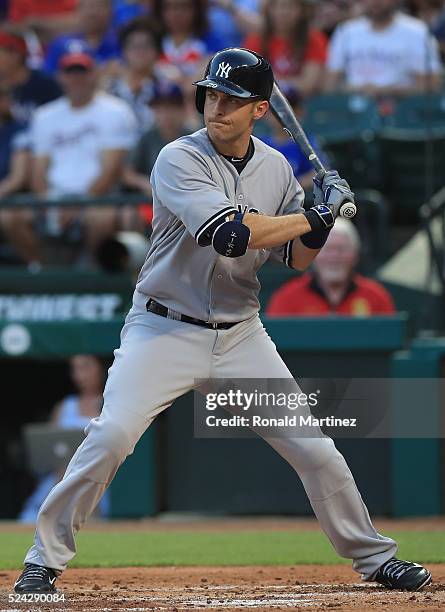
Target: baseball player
<point>224,203</point>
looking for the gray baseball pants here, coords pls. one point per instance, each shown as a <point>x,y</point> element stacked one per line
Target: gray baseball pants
<point>140,385</point>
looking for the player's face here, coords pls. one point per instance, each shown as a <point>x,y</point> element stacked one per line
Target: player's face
<point>229,118</point>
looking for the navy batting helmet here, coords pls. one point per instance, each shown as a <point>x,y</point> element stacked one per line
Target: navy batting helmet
<point>237,72</point>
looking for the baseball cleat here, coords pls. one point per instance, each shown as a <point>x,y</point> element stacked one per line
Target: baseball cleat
<point>36,579</point>
<point>403,575</point>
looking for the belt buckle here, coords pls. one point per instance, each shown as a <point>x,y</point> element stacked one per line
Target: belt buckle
<point>214,325</point>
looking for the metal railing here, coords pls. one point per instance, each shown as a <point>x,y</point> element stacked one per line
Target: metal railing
<point>428,212</point>
<point>28,200</point>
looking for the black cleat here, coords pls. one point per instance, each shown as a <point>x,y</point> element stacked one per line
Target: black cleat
<point>403,575</point>
<point>36,579</point>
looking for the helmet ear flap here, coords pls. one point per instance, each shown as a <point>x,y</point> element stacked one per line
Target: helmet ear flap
<point>200,96</point>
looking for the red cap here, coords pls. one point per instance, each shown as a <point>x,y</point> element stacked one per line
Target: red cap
<point>13,42</point>
<point>76,59</point>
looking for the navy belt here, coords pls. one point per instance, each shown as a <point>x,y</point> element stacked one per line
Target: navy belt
<point>157,308</point>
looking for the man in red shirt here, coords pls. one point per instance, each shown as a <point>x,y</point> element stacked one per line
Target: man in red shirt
<point>333,287</point>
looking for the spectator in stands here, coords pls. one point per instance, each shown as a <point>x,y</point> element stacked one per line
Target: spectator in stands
<point>333,287</point>
<point>168,108</point>
<point>186,46</point>
<point>280,140</point>
<point>94,19</point>
<point>140,43</point>
<point>296,51</point>
<point>73,411</point>
<point>431,12</point>
<point>328,15</point>
<point>79,145</point>
<point>44,17</point>
<point>232,20</point>
<point>384,53</point>
<point>127,10</point>
<point>30,88</point>
<point>14,148</point>
<point>186,43</point>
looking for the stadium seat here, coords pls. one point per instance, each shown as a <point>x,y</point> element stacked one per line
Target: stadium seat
<point>372,223</point>
<point>419,112</point>
<point>336,117</point>
<point>346,126</point>
<point>413,164</point>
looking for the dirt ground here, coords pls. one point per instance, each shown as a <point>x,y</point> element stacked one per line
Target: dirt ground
<point>230,589</point>
<point>174,589</point>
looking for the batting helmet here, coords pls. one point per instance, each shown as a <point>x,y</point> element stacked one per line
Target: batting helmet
<point>237,72</point>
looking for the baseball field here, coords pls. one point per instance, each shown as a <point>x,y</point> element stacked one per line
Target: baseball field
<point>223,564</point>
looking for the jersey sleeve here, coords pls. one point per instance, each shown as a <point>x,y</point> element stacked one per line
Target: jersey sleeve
<point>292,203</point>
<point>182,182</point>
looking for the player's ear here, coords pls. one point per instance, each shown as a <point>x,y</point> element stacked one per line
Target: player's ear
<point>261,109</point>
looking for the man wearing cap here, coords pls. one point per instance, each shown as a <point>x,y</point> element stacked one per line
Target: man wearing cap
<point>79,143</point>
<point>30,88</point>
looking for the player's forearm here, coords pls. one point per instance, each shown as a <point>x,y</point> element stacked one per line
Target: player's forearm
<point>267,232</point>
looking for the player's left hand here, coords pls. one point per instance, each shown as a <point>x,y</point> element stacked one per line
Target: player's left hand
<point>330,189</point>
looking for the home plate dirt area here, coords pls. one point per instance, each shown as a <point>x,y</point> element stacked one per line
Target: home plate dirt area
<point>306,587</point>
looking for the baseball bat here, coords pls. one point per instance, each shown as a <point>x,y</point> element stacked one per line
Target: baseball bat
<point>282,110</point>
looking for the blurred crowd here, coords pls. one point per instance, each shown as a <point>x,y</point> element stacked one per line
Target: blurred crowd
<point>91,90</point>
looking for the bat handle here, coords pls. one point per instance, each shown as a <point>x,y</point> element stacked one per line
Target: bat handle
<point>348,210</point>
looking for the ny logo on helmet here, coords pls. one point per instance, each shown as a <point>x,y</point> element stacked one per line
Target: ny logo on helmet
<point>223,70</point>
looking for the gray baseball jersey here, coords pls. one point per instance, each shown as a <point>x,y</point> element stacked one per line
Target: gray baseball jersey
<point>194,189</point>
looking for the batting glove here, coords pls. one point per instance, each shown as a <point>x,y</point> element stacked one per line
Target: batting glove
<point>332,191</point>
